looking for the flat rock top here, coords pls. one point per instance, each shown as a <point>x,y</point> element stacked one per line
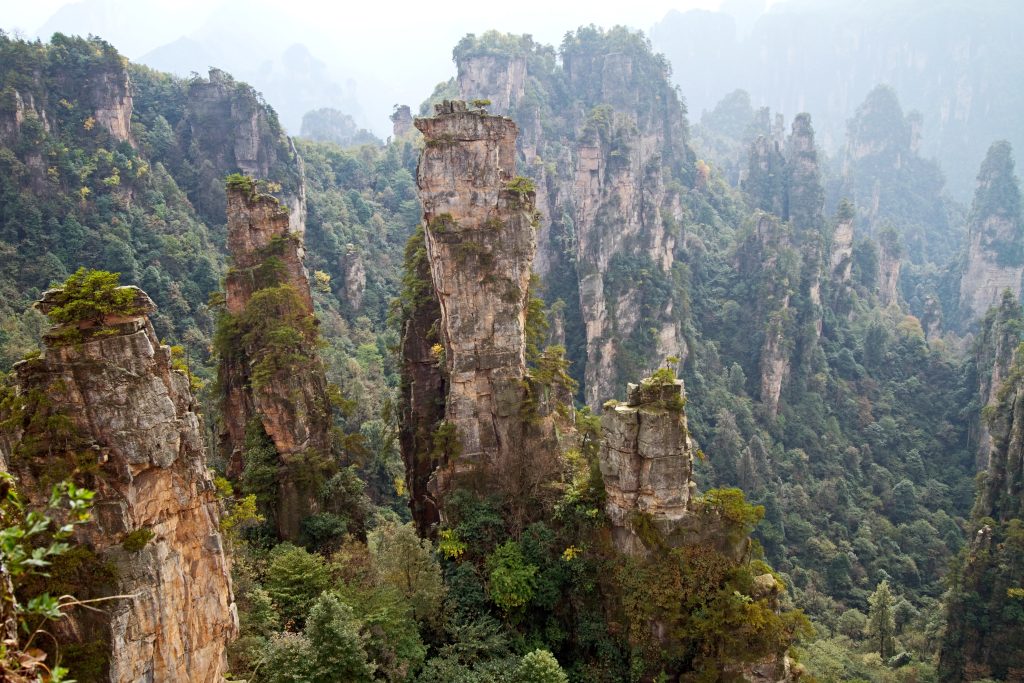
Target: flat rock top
<point>52,298</point>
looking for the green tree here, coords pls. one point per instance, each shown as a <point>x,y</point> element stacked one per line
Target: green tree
<point>407,564</point>
<point>295,579</point>
<point>881,624</point>
<point>512,580</point>
<point>337,645</point>
<point>540,666</point>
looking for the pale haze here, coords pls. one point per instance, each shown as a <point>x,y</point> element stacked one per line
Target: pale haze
<point>374,54</point>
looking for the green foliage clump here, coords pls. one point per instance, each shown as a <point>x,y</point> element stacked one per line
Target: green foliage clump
<point>138,539</point>
<point>241,183</point>
<point>295,578</point>
<point>521,186</point>
<point>92,294</point>
<point>511,580</point>
<point>540,666</point>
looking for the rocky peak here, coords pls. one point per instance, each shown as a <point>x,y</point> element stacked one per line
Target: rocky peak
<point>995,252</point>
<point>499,78</point>
<point>805,194</point>
<point>281,391</point>
<point>235,130</point>
<point>401,120</point>
<point>104,404</point>
<point>480,243</point>
<point>647,462</point>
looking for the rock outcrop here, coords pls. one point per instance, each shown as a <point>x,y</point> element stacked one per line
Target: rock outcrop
<point>995,251</point>
<point>890,260</point>
<point>103,404</point>
<point>271,377</point>
<point>983,638</point>
<point>226,128</point>
<point>647,462</point>
<point>401,120</point>
<point>841,254</point>
<point>994,352</point>
<point>603,171</point>
<point>480,243</point>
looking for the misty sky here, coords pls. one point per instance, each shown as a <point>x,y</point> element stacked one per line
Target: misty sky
<point>385,53</point>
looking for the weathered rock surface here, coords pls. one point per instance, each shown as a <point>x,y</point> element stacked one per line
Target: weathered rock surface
<point>841,255</point>
<point>647,463</point>
<point>355,278</point>
<point>889,263</point>
<point>995,260</point>
<point>293,407</point>
<point>401,120</point>
<point>480,245</point>
<point>601,189</point>
<point>982,637</point>
<point>125,407</point>
<point>113,101</point>
<point>234,130</point>
<point>993,357</point>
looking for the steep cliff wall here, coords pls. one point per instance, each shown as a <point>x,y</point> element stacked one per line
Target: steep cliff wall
<point>995,252</point>
<point>226,127</point>
<point>604,139</point>
<point>994,350</point>
<point>103,404</point>
<point>647,462</point>
<point>983,638</point>
<point>480,244</point>
<point>270,375</point>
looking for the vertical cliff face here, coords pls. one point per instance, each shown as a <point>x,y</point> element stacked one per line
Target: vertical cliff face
<point>103,403</point>
<point>805,196</point>
<point>113,102</point>
<point>480,243</point>
<point>225,128</point>
<point>890,260</point>
<point>647,462</point>
<point>271,378</point>
<point>768,257</point>
<point>995,252</point>
<point>604,137</point>
<point>983,638</point>
<point>424,387</point>
<point>499,78</point>
<point>994,351</point>
<point>841,253</point>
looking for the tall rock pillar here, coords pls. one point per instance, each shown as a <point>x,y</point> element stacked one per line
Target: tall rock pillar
<point>270,375</point>
<point>647,463</point>
<point>103,405</point>
<point>479,240</point>
<point>995,251</point>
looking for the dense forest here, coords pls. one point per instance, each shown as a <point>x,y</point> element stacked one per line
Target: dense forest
<point>847,332</point>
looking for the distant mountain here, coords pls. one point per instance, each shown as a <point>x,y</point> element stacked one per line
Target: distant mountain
<point>959,63</point>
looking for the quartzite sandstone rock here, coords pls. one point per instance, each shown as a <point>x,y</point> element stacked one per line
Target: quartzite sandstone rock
<point>480,245</point>
<point>293,408</point>
<point>601,190</point>
<point>647,462</point>
<point>125,405</point>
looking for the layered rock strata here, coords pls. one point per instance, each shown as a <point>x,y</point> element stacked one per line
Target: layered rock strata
<point>480,243</point>
<point>602,170</point>
<point>646,460</point>
<point>995,251</point>
<point>291,405</point>
<point>103,402</point>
